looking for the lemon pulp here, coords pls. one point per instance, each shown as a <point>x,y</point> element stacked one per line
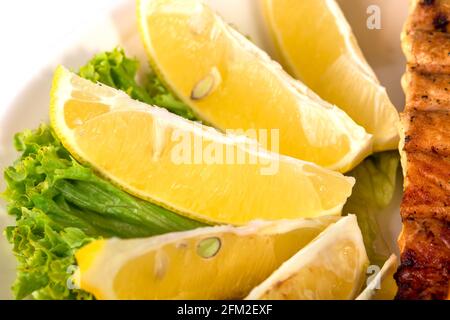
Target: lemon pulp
<point>231,84</point>
<point>316,44</point>
<point>189,168</point>
<point>206,263</point>
<point>332,266</point>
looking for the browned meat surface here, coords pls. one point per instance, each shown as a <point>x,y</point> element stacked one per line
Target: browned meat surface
<point>427,180</point>
<point>425,91</point>
<point>429,16</point>
<point>424,272</point>
<point>424,269</point>
<point>429,51</point>
<point>421,211</point>
<point>426,131</point>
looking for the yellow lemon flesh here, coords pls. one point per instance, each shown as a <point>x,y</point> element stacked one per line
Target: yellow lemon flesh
<point>233,85</point>
<point>191,169</point>
<point>382,285</point>
<point>316,44</point>
<point>206,263</point>
<point>331,267</point>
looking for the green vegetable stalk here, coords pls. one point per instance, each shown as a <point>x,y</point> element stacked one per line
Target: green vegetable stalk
<point>373,191</point>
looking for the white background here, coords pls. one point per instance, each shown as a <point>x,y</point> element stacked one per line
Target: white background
<point>32,31</point>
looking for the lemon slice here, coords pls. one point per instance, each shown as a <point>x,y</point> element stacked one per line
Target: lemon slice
<point>382,286</point>
<point>233,85</point>
<point>186,167</point>
<point>332,266</point>
<point>316,45</point>
<point>207,263</point>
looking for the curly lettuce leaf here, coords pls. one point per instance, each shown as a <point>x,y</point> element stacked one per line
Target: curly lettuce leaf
<point>116,70</point>
<point>373,191</point>
<point>61,205</point>
<point>45,253</point>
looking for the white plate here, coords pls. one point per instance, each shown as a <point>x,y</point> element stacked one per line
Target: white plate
<point>117,26</point>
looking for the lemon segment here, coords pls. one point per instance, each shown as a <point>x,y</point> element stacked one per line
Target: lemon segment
<point>316,44</point>
<point>230,83</point>
<point>207,263</point>
<point>331,267</point>
<point>382,285</point>
<point>191,169</point>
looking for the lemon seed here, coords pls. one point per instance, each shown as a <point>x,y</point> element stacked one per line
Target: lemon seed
<point>207,85</point>
<point>208,248</point>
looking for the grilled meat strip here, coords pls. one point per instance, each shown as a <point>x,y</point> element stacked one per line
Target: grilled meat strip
<point>424,272</point>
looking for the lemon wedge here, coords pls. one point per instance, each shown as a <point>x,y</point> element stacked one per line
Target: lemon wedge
<point>316,44</point>
<point>181,165</point>
<point>331,267</point>
<point>207,263</point>
<point>382,285</point>
<point>233,85</point>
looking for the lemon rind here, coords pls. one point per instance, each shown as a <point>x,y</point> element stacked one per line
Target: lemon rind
<point>343,229</point>
<point>60,93</point>
<point>382,141</point>
<point>361,142</point>
<point>100,280</point>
